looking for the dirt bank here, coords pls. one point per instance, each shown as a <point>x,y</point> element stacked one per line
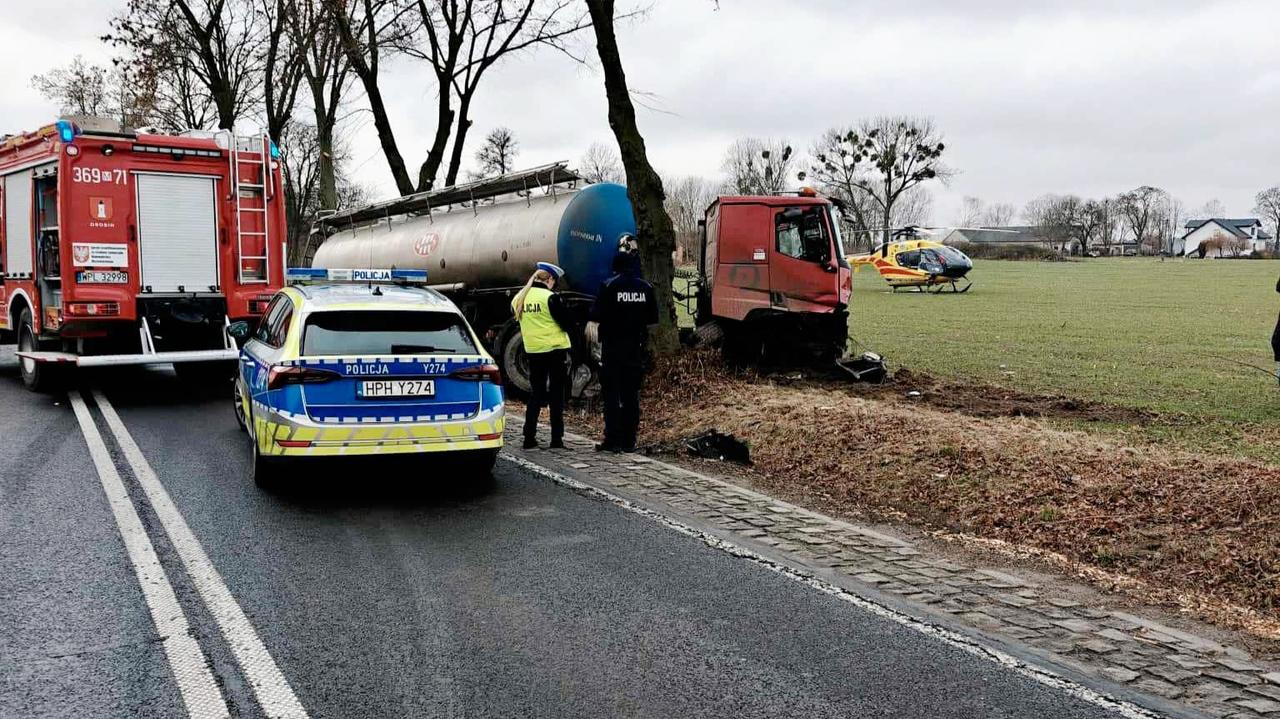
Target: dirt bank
<point>976,461</point>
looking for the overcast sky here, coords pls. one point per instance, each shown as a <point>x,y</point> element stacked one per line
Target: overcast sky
<point>1092,97</point>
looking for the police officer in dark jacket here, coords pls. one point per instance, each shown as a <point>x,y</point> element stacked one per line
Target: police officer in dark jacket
<point>624,308</point>
<point>1275,340</point>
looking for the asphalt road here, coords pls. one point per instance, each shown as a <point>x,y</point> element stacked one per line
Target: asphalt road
<point>393,591</point>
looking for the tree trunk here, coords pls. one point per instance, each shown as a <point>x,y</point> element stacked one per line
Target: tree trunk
<point>326,172</point>
<point>888,229</point>
<point>444,120</point>
<point>459,140</point>
<point>656,235</point>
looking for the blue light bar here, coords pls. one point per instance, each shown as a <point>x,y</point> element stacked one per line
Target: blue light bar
<point>66,130</point>
<point>275,151</point>
<point>320,274</point>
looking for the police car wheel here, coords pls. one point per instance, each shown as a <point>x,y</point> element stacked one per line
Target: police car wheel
<point>263,470</point>
<point>481,462</point>
<point>238,399</point>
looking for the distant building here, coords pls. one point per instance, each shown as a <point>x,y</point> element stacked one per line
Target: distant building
<point>1220,237</point>
<point>1010,235</point>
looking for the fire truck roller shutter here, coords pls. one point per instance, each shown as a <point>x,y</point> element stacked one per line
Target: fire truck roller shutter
<point>17,223</point>
<point>177,232</point>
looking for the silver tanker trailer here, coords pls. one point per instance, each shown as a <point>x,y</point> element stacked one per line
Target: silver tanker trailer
<point>478,243</point>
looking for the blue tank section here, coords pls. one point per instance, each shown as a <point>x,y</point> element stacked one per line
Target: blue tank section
<point>589,230</point>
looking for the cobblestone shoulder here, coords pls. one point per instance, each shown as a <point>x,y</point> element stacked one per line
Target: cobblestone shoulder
<point>1134,658</point>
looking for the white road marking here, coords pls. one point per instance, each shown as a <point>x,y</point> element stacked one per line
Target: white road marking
<point>954,639</point>
<point>190,667</point>
<point>274,694</point>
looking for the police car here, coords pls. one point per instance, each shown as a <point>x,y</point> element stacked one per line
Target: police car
<point>362,362</point>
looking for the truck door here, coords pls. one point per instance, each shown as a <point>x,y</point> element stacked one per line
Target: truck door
<point>177,233</point>
<point>803,270</point>
<point>742,268</point>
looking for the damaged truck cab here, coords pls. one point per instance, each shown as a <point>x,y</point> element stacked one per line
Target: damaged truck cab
<point>773,278</point>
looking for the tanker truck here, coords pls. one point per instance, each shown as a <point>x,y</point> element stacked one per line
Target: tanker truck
<point>771,275</point>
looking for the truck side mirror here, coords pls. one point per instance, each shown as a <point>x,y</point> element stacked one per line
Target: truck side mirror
<point>239,331</point>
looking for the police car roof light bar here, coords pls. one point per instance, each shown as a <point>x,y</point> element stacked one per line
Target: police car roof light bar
<point>299,275</point>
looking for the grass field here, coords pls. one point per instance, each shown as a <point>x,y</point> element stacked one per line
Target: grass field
<point>1133,332</point>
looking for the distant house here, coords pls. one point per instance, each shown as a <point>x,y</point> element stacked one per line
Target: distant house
<point>1220,237</point>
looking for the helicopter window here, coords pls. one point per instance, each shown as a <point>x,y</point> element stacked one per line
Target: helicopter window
<point>910,258</point>
<point>802,234</point>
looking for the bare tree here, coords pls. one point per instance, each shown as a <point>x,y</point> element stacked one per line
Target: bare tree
<point>213,44</point>
<point>80,88</point>
<point>644,186</point>
<point>282,64</point>
<point>497,155</point>
<point>687,201</point>
<point>843,182</point>
<point>757,166</point>
<point>884,157</point>
<point>1267,205</point>
<point>1056,219</point>
<point>600,163</point>
<point>1175,220</point>
<point>1146,213</point>
<point>369,29</point>
<point>973,212</point>
<point>912,208</point>
<point>301,160</point>
<point>1095,225</point>
<point>1213,209</point>
<point>999,214</point>
<point>326,71</point>
<point>489,30</point>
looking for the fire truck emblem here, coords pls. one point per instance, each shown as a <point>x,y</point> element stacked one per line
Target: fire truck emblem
<point>427,244</point>
<point>100,209</point>
<point>80,254</point>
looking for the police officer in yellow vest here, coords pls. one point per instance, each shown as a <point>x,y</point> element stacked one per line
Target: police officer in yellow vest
<point>543,319</point>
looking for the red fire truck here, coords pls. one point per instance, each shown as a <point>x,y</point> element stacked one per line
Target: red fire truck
<point>121,248</point>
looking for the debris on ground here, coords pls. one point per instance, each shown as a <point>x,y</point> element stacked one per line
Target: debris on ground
<point>867,367</point>
<point>724,447</point>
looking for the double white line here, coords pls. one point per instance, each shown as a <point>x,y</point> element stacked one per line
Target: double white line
<point>191,670</point>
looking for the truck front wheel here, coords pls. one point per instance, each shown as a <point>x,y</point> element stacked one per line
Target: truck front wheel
<point>37,376</point>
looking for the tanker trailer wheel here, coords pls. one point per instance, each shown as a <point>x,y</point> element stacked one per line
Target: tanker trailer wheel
<point>515,363</point>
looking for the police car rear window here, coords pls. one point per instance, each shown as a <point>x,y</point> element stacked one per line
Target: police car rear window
<point>366,332</point>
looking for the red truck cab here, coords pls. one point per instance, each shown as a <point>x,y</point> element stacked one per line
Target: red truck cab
<point>135,248</point>
<point>774,275</point>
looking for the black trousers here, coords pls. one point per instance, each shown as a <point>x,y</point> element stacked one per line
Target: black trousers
<point>621,375</point>
<point>549,373</point>
<point>1275,341</point>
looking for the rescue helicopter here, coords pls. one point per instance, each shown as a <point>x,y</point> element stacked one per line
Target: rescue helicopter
<point>911,260</point>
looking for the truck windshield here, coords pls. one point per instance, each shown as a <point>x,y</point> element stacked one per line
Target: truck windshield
<point>371,332</point>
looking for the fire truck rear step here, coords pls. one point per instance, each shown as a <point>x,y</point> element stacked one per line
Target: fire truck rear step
<point>133,359</point>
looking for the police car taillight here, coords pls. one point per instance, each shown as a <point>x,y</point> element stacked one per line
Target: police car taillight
<point>480,373</point>
<point>281,375</point>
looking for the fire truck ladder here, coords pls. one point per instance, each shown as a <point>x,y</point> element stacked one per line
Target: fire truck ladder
<point>249,153</point>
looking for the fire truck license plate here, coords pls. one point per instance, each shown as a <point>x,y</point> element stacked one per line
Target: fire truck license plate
<point>103,277</point>
<point>378,389</point>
